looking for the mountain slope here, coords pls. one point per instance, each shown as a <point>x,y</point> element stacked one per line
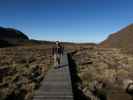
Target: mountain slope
<point>9,33</point>
<point>120,39</point>
<point>10,36</point>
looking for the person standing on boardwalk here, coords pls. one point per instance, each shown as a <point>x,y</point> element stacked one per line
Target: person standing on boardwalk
<point>57,52</point>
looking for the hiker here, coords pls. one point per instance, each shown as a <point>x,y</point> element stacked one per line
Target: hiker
<point>57,52</point>
<point>62,50</point>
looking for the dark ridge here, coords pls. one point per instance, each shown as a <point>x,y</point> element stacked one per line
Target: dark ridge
<point>11,37</point>
<point>10,33</point>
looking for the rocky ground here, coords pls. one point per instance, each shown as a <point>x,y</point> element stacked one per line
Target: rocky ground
<point>106,74</point>
<point>21,70</point>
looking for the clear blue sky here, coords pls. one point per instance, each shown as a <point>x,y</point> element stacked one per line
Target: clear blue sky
<point>67,20</point>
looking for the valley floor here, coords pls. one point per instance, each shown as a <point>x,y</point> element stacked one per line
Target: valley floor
<point>105,74</point>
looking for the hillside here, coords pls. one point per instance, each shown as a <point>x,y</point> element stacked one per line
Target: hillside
<point>10,33</point>
<point>120,39</point>
<point>10,36</point>
<point>14,37</point>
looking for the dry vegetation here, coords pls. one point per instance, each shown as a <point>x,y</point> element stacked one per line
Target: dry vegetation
<point>106,74</point>
<point>21,70</point>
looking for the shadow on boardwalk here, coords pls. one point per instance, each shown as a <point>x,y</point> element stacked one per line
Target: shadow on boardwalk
<point>78,94</point>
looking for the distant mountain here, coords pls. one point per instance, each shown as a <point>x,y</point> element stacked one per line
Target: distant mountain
<point>10,36</point>
<point>10,33</point>
<point>120,39</point>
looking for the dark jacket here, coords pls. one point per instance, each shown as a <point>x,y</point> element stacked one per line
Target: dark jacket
<point>57,50</point>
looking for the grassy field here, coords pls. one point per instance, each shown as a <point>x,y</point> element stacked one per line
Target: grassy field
<point>22,69</point>
<point>104,73</point>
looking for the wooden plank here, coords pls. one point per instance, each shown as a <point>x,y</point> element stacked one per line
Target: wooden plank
<point>57,83</point>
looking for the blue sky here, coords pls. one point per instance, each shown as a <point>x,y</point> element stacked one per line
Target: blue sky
<point>67,20</point>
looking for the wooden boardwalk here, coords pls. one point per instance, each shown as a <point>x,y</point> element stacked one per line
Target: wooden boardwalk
<point>57,84</point>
